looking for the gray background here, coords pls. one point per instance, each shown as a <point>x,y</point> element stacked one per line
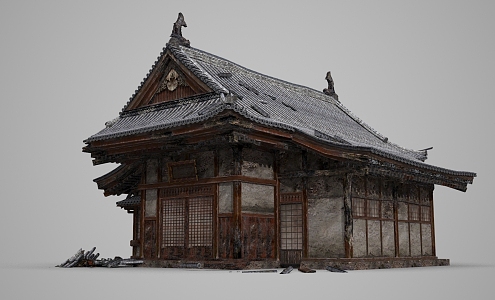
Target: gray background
<point>419,72</point>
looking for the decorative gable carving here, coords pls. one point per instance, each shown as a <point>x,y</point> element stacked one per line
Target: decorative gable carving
<point>168,81</point>
<point>171,81</point>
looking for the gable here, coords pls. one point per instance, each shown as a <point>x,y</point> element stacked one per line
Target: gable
<point>168,80</point>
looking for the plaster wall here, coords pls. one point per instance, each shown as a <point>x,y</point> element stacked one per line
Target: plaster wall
<point>205,162</point>
<point>404,239</point>
<point>225,194</point>
<point>150,203</point>
<point>291,185</point>
<point>402,211</point>
<point>290,161</point>
<point>257,198</point>
<point>225,162</point>
<point>359,248</point>
<point>325,217</point>
<point>256,163</point>
<point>152,171</point>
<point>427,247</point>
<point>415,232</point>
<point>388,240</point>
<point>374,238</point>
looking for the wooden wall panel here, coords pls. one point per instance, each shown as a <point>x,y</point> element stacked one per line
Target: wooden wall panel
<point>225,237</point>
<point>149,250</point>
<point>258,237</point>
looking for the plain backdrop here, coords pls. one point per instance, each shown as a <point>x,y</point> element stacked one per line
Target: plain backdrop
<point>419,72</point>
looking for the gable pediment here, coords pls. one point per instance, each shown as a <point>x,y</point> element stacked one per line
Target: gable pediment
<point>168,80</point>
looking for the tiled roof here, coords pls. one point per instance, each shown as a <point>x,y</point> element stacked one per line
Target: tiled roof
<point>132,201</point>
<point>264,100</point>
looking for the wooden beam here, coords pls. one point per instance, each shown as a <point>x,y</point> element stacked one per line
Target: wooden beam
<point>348,221</point>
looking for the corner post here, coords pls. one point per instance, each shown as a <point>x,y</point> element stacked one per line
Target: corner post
<point>348,215</point>
<point>237,216</point>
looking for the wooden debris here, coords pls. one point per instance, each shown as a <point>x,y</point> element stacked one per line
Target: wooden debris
<point>259,271</point>
<point>306,269</point>
<point>89,259</point>
<point>337,270</point>
<point>287,270</point>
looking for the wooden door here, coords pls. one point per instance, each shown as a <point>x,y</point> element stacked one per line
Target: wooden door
<point>187,228</point>
<point>291,229</point>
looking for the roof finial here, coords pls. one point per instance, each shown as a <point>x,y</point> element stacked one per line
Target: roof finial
<point>176,35</point>
<point>331,89</point>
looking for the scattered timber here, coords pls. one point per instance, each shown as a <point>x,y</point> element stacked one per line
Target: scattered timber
<point>287,270</point>
<point>259,271</point>
<point>191,265</point>
<point>336,270</point>
<point>306,270</point>
<point>88,259</point>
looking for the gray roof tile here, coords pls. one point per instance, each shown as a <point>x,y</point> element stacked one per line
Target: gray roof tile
<point>265,100</point>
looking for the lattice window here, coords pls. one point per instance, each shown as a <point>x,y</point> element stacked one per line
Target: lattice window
<point>425,214</point>
<point>173,222</point>
<point>200,221</point>
<point>358,207</point>
<point>413,212</point>
<point>373,209</point>
<point>187,222</point>
<point>291,226</point>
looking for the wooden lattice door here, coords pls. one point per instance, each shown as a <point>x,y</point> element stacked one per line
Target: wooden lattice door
<point>187,227</point>
<point>291,229</point>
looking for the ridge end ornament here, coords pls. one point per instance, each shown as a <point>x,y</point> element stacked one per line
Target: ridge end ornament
<point>330,91</point>
<point>176,36</point>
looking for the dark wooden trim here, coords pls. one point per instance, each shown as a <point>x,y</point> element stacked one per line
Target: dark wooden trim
<point>258,215</point>
<point>365,180</point>
<point>348,218</point>
<point>304,159</point>
<point>215,223</point>
<point>396,219</point>
<point>432,220</point>
<point>213,180</point>
<point>276,171</point>
<point>237,205</point>
<point>380,213</point>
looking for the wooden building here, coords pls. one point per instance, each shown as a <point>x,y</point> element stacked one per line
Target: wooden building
<point>235,169</point>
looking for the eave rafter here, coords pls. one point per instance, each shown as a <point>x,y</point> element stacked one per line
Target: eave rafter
<point>229,127</point>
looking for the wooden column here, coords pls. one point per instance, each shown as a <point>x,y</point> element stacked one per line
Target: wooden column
<point>237,216</point>
<point>304,161</point>
<point>432,220</point>
<point>348,215</point>
<point>276,169</point>
<point>396,219</point>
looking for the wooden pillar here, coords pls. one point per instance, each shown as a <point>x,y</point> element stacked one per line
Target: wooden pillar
<point>237,216</point>
<point>396,219</point>
<point>304,160</point>
<point>348,215</point>
<point>432,220</point>
<point>276,169</point>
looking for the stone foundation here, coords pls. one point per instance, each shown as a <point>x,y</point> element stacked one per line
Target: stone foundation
<point>375,263</point>
<point>317,264</point>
